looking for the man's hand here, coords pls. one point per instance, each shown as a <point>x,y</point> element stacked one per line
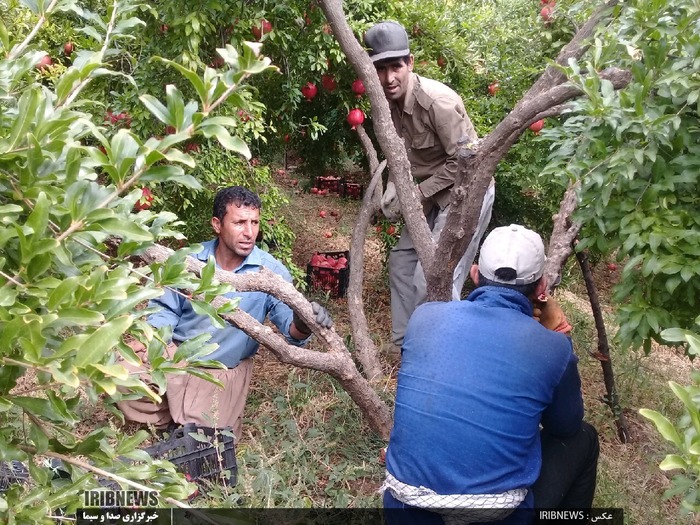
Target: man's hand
<point>547,311</point>
<point>322,317</point>
<point>390,203</point>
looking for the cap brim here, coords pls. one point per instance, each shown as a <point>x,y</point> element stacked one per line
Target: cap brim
<point>390,54</point>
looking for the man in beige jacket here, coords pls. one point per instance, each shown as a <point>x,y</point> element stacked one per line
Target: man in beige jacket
<point>431,119</point>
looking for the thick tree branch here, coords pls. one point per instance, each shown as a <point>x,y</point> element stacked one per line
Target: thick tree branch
<point>365,348</point>
<point>561,242</point>
<point>389,141</point>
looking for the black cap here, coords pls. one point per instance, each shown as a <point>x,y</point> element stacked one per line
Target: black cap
<point>386,40</point>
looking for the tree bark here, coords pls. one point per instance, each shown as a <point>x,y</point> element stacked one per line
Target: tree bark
<point>365,349</point>
<point>603,354</point>
<point>564,233</point>
<point>391,144</point>
<point>336,362</point>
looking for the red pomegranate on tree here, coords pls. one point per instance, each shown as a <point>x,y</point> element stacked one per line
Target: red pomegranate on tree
<point>537,126</point>
<point>546,12</point>
<point>263,28</point>
<point>44,63</point>
<point>358,88</point>
<point>145,201</point>
<point>328,82</point>
<point>309,91</point>
<point>68,48</point>
<point>355,117</point>
<point>494,88</point>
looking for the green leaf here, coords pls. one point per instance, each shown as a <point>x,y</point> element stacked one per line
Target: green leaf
<point>191,76</point>
<point>125,229</point>
<point>176,106</point>
<point>25,116</point>
<point>203,308</point>
<point>234,144</point>
<point>79,316</point>
<point>93,349</point>
<point>673,461</point>
<point>663,425</point>
<point>157,108</point>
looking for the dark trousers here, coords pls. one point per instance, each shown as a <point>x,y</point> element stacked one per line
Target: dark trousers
<point>567,480</point>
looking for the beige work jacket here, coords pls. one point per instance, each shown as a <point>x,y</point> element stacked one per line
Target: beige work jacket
<point>431,123</point>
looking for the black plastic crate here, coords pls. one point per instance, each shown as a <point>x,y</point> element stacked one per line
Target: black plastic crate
<point>200,459</point>
<point>320,275</point>
<point>331,183</point>
<point>351,190</point>
<point>12,472</point>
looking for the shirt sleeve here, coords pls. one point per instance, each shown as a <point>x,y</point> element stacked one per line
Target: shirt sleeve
<point>280,314</point>
<point>450,122</point>
<point>564,416</point>
<point>170,312</point>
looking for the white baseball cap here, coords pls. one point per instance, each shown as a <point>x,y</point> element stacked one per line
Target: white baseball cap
<point>513,247</point>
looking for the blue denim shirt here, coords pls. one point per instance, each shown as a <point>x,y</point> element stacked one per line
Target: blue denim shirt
<point>234,344</point>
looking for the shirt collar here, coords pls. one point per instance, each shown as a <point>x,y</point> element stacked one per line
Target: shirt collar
<point>500,297</point>
<point>254,258</point>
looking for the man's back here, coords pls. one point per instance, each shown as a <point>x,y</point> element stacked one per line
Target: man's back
<point>475,379</point>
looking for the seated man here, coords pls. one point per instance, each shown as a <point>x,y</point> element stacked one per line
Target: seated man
<point>236,221</point>
<point>489,413</point>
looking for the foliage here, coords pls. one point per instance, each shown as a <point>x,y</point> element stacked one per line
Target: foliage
<point>636,155</point>
<point>685,434</point>
<point>68,291</point>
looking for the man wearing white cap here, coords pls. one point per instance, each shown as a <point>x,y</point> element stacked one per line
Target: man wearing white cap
<point>489,412</point>
<point>431,119</point>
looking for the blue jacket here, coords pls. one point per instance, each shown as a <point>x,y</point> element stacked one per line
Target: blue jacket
<point>477,379</point>
<point>234,344</point>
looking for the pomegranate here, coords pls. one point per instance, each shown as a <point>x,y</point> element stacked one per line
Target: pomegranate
<point>145,201</point>
<point>442,62</point>
<point>44,63</point>
<point>358,88</point>
<point>263,28</point>
<point>546,13</point>
<point>355,118</point>
<point>309,91</point>
<point>286,137</point>
<point>68,48</point>
<point>494,88</point>
<point>537,126</point>
<point>328,82</point>
<point>322,214</point>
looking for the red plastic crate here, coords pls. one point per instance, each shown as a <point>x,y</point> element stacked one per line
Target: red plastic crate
<point>330,183</point>
<point>351,190</point>
<point>326,279</point>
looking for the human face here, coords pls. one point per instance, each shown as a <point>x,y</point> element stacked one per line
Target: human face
<point>394,75</point>
<point>237,233</point>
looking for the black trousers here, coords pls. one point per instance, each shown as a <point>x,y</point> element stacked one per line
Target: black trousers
<point>567,480</point>
<point>568,475</point>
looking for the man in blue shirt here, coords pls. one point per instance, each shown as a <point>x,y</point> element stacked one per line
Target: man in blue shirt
<point>489,413</point>
<point>190,399</point>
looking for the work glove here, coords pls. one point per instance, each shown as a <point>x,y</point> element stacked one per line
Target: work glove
<point>547,311</point>
<point>322,317</point>
<point>390,203</point>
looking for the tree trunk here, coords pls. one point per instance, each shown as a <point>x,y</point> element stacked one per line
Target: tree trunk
<point>603,354</point>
